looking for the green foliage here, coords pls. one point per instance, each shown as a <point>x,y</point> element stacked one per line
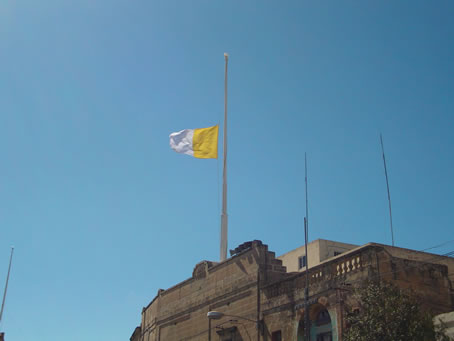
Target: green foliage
<point>388,314</point>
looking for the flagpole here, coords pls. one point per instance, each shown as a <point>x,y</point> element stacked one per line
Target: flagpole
<point>6,285</point>
<point>224,218</point>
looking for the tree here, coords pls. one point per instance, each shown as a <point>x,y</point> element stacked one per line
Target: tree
<point>388,314</point>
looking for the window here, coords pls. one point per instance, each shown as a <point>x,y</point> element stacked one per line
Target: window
<point>337,253</point>
<point>301,262</point>
<point>276,336</point>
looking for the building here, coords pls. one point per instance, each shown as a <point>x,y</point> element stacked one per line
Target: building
<point>318,251</point>
<point>254,296</point>
<point>446,322</point>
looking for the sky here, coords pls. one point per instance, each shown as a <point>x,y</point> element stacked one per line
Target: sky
<point>102,213</point>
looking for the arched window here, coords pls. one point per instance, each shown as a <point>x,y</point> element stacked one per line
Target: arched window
<point>323,326</point>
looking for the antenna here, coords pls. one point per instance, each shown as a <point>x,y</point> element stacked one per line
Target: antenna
<point>307,210</point>
<point>387,187</point>
<point>306,236</point>
<point>6,285</point>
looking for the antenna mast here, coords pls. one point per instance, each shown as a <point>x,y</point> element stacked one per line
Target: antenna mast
<point>306,237</point>
<point>6,285</point>
<point>387,187</point>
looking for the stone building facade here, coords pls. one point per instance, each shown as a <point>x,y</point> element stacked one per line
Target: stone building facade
<point>262,301</point>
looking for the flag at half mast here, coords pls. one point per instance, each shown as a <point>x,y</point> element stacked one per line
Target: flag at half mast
<point>201,143</point>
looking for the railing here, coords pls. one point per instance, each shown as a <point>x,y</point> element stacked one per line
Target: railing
<point>348,265</point>
<point>343,267</point>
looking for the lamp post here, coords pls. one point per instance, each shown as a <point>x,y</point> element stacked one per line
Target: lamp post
<point>217,315</point>
<point>209,329</point>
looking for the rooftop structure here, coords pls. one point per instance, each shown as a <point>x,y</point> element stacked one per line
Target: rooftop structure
<point>318,251</point>
<point>253,296</point>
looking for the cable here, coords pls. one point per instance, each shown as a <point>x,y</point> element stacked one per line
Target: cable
<point>436,246</point>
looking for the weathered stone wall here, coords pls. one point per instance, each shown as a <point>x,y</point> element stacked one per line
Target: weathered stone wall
<point>283,300</point>
<point>254,285</point>
<point>331,287</point>
<point>428,282</point>
<point>179,313</point>
<point>422,257</point>
<point>136,335</point>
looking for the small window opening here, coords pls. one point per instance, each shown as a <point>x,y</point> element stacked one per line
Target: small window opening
<point>301,262</point>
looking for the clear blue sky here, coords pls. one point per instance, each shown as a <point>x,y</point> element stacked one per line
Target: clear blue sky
<point>103,213</point>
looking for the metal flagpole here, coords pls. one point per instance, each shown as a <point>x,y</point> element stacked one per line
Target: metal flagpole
<point>306,236</point>
<point>387,187</point>
<point>6,285</point>
<point>224,218</point>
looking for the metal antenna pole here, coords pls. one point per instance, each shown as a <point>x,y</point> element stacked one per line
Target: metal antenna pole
<point>6,285</point>
<point>306,237</point>
<point>307,209</point>
<point>387,187</point>
<point>306,290</point>
<point>224,218</point>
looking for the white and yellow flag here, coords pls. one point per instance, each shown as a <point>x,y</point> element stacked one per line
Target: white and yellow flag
<point>201,143</point>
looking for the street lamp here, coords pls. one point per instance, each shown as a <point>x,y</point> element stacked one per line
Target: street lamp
<point>214,315</point>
